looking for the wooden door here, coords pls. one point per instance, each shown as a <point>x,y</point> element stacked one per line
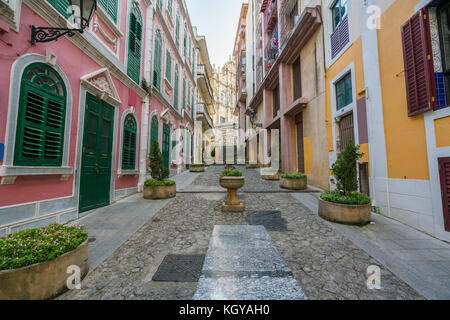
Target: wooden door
<point>300,145</point>
<point>444,173</point>
<point>95,178</point>
<point>346,131</point>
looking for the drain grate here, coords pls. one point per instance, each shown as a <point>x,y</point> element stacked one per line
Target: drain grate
<point>271,220</point>
<point>180,268</point>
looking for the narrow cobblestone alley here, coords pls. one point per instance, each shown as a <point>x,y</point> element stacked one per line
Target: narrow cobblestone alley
<point>325,264</point>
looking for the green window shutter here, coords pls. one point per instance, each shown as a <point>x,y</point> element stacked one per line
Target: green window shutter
<point>176,89</point>
<point>157,63</point>
<point>41,118</point>
<point>184,92</point>
<point>135,44</point>
<point>154,136</point>
<point>168,66</point>
<point>344,92</point>
<point>129,143</point>
<point>110,7</point>
<point>160,4</point>
<point>62,6</point>
<point>170,7</point>
<point>185,41</point>
<point>177,31</point>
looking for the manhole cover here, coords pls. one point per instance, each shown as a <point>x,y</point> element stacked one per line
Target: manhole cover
<point>271,220</point>
<point>180,268</point>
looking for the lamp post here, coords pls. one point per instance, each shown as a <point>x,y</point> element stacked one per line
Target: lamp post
<point>82,12</point>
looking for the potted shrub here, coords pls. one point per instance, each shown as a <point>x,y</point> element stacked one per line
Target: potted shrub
<point>34,263</point>
<point>345,204</point>
<point>232,180</point>
<point>294,181</point>
<point>159,187</point>
<point>197,167</point>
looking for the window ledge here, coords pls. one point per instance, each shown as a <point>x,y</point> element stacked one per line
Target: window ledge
<point>7,171</point>
<point>128,173</point>
<point>109,21</point>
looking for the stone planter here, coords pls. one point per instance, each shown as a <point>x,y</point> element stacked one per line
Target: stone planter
<point>345,213</point>
<point>294,184</point>
<point>272,177</point>
<point>45,280</point>
<point>232,184</point>
<point>252,165</point>
<point>197,169</point>
<point>158,193</point>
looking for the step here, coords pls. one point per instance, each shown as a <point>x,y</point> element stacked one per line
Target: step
<point>242,263</point>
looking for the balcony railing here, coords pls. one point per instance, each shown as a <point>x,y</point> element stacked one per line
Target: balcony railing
<point>203,110</point>
<point>271,51</point>
<point>201,70</point>
<point>272,16</point>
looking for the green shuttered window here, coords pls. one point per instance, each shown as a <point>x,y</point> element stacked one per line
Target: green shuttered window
<point>184,91</point>
<point>344,93</point>
<point>135,45</point>
<point>177,31</point>
<point>41,118</point>
<point>129,143</point>
<point>157,63</point>
<point>176,88</point>
<point>168,66</point>
<point>110,7</point>
<point>63,7</point>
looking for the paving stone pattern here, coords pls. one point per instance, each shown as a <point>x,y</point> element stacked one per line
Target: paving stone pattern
<point>325,264</point>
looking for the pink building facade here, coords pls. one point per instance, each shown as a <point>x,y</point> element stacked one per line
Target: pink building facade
<point>76,114</point>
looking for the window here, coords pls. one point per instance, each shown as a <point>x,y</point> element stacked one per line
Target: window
<point>157,63</point>
<point>297,79</point>
<point>160,4</point>
<point>110,7</point>
<point>185,41</point>
<point>170,7</point>
<point>41,118</point>
<point>63,7</point>
<point>176,89</point>
<point>276,100</point>
<point>129,143</point>
<point>184,90</point>
<point>177,31</point>
<point>293,16</point>
<point>222,120</point>
<point>443,80</point>
<point>134,45</point>
<point>168,66</point>
<point>344,92</point>
<point>339,12</point>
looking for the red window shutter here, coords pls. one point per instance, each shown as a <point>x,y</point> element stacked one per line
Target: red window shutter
<point>418,59</point>
<point>444,172</point>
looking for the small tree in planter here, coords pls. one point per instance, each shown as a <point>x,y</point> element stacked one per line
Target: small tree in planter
<point>232,180</point>
<point>160,187</point>
<point>345,204</point>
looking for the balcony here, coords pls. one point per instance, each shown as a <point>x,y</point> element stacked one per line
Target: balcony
<point>204,84</point>
<point>243,95</point>
<point>8,10</point>
<point>272,16</point>
<point>271,51</point>
<point>204,115</point>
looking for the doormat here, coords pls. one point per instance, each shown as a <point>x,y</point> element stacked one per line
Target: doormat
<point>271,220</point>
<point>180,268</point>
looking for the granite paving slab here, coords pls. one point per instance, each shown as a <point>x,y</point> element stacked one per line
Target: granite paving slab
<point>237,267</point>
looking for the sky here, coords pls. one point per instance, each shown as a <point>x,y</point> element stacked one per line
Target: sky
<point>217,20</point>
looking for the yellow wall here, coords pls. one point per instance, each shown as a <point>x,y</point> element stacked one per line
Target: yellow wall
<point>405,136</point>
<point>442,130</point>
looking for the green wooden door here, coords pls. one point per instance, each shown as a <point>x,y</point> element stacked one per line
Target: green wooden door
<point>154,134</point>
<point>166,145</point>
<point>95,178</point>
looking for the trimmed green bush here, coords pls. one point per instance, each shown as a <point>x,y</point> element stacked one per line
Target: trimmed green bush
<point>159,183</point>
<point>344,169</point>
<point>159,172</point>
<point>352,198</point>
<point>231,173</point>
<point>27,247</point>
<point>294,175</point>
